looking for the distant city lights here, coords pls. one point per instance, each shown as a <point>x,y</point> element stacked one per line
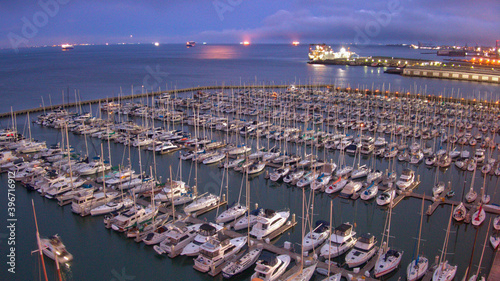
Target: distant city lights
<point>157,44</point>
<point>295,43</point>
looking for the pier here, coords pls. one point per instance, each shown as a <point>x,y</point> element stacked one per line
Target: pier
<point>455,73</point>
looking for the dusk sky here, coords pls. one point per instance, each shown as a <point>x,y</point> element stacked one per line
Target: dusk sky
<point>29,23</point>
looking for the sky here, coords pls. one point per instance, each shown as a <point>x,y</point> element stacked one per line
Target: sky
<point>52,22</point>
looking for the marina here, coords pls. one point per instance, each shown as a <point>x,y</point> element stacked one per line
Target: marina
<point>334,114</point>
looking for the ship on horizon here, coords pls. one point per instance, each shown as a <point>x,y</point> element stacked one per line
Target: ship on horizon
<point>190,44</point>
<point>67,46</point>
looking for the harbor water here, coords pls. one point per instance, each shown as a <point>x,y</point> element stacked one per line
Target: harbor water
<point>100,71</point>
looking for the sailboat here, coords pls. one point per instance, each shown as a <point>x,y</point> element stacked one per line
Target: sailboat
<point>475,276</point>
<point>459,212</point>
<point>418,267</point>
<point>445,271</point>
<point>388,259</point>
<point>478,216</point>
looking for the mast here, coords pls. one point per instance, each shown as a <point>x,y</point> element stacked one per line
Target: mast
<point>38,242</point>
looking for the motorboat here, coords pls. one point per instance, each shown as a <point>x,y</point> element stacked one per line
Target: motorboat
<point>363,250</point>
<point>217,250</point>
<point>267,222</point>
<point>179,236</point>
<point>53,247</point>
<point>406,179</point>
<point>341,240</point>
<point>205,232</point>
<point>270,268</point>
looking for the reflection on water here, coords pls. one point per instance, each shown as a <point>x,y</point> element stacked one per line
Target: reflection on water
<point>218,52</point>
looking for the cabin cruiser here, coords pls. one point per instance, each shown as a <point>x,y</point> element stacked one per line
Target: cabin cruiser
<point>340,242</point>
<point>217,250</point>
<point>179,236</point>
<point>267,222</point>
<point>270,268</point>
<point>206,231</point>
<point>363,250</point>
<point>53,247</point>
<point>406,179</point>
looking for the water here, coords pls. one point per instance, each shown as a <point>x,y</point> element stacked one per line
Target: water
<point>97,71</point>
<point>105,71</point>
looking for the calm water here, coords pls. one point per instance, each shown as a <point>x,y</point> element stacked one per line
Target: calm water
<point>105,71</point>
<point>97,71</point>
<point>102,254</point>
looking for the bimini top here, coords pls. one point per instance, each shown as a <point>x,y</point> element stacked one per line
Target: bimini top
<point>344,229</point>
<point>207,229</point>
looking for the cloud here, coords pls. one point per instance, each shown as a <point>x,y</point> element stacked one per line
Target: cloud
<point>93,21</point>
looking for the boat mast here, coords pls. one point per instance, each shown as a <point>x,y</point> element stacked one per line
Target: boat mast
<point>38,242</point>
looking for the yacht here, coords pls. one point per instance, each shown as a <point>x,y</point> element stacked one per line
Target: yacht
<point>53,246</point>
<point>82,205</point>
<point>205,232</point>
<point>218,250</point>
<point>179,236</point>
<point>267,222</point>
<point>340,242</point>
<point>271,268</point>
<point>406,179</point>
<point>363,250</point>
<point>438,189</point>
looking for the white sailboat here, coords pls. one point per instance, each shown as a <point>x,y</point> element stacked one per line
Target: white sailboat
<point>418,267</point>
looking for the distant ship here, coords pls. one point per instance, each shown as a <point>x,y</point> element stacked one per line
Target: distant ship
<point>190,44</point>
<point>67,46</point>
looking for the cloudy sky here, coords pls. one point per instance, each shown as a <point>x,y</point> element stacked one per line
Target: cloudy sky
<point>47,22</point>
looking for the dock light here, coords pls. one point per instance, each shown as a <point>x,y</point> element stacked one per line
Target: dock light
<point>474,100</point>
<point>397,93</point>
<point>386,92</point>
